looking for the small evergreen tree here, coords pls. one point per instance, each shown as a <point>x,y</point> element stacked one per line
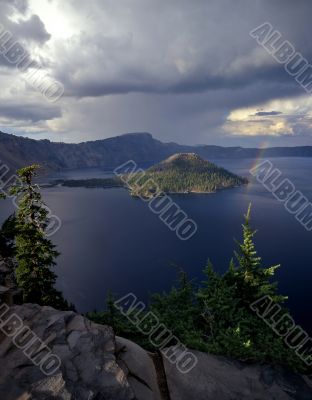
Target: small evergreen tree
<point>178,310</point>
<point>234,329</point>
<point>34,252</point>
<point>253,281</point>
<point>218,302</point>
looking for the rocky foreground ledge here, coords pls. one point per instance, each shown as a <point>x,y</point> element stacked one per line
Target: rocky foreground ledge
<point>85,361</point>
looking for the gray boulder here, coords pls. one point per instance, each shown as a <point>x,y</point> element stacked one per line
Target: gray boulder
<point>88,368</point>
<point>139,367</point>
<point>219,378</point>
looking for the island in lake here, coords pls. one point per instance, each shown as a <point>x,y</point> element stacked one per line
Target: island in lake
<point>179,174</point>
<point>183,173</point>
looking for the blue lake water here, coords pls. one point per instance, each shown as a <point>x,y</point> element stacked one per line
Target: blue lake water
<point>110,241</point>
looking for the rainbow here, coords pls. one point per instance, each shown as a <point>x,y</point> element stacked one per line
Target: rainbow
<point>257,160</point>
<point>262,147</point>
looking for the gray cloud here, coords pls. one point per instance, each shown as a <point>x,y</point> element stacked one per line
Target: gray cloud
<point>30,29</point>
<point>172,67</point>
<point>25,31</point>
<point>10,6</point>
<point>29,112</point>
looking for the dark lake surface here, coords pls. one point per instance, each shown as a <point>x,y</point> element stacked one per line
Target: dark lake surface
<point>111,241</point>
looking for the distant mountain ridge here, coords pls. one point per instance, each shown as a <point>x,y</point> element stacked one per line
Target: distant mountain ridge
<point>16,151</point>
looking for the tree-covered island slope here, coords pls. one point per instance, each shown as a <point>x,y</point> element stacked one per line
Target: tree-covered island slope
<point>183,173</point>
<point>180,173</point>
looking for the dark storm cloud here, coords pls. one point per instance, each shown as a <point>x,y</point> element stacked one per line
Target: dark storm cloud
<point>198,82</point>
<point>265,113</point>
<point>181,47</point>
<point>29,112</point>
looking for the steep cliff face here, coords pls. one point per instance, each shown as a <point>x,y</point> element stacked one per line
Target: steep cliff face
<point>81,360</point>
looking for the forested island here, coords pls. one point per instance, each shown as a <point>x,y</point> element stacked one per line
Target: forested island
<point>183,173</point>
<point>179,174</point>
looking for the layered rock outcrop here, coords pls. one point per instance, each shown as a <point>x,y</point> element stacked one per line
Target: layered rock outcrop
<point>94,364</point>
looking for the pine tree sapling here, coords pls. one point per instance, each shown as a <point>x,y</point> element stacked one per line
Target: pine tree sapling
<point>252,279</point>
<point>34,252</point>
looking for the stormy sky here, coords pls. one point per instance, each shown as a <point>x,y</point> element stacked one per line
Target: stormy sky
<point>185,71</point>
